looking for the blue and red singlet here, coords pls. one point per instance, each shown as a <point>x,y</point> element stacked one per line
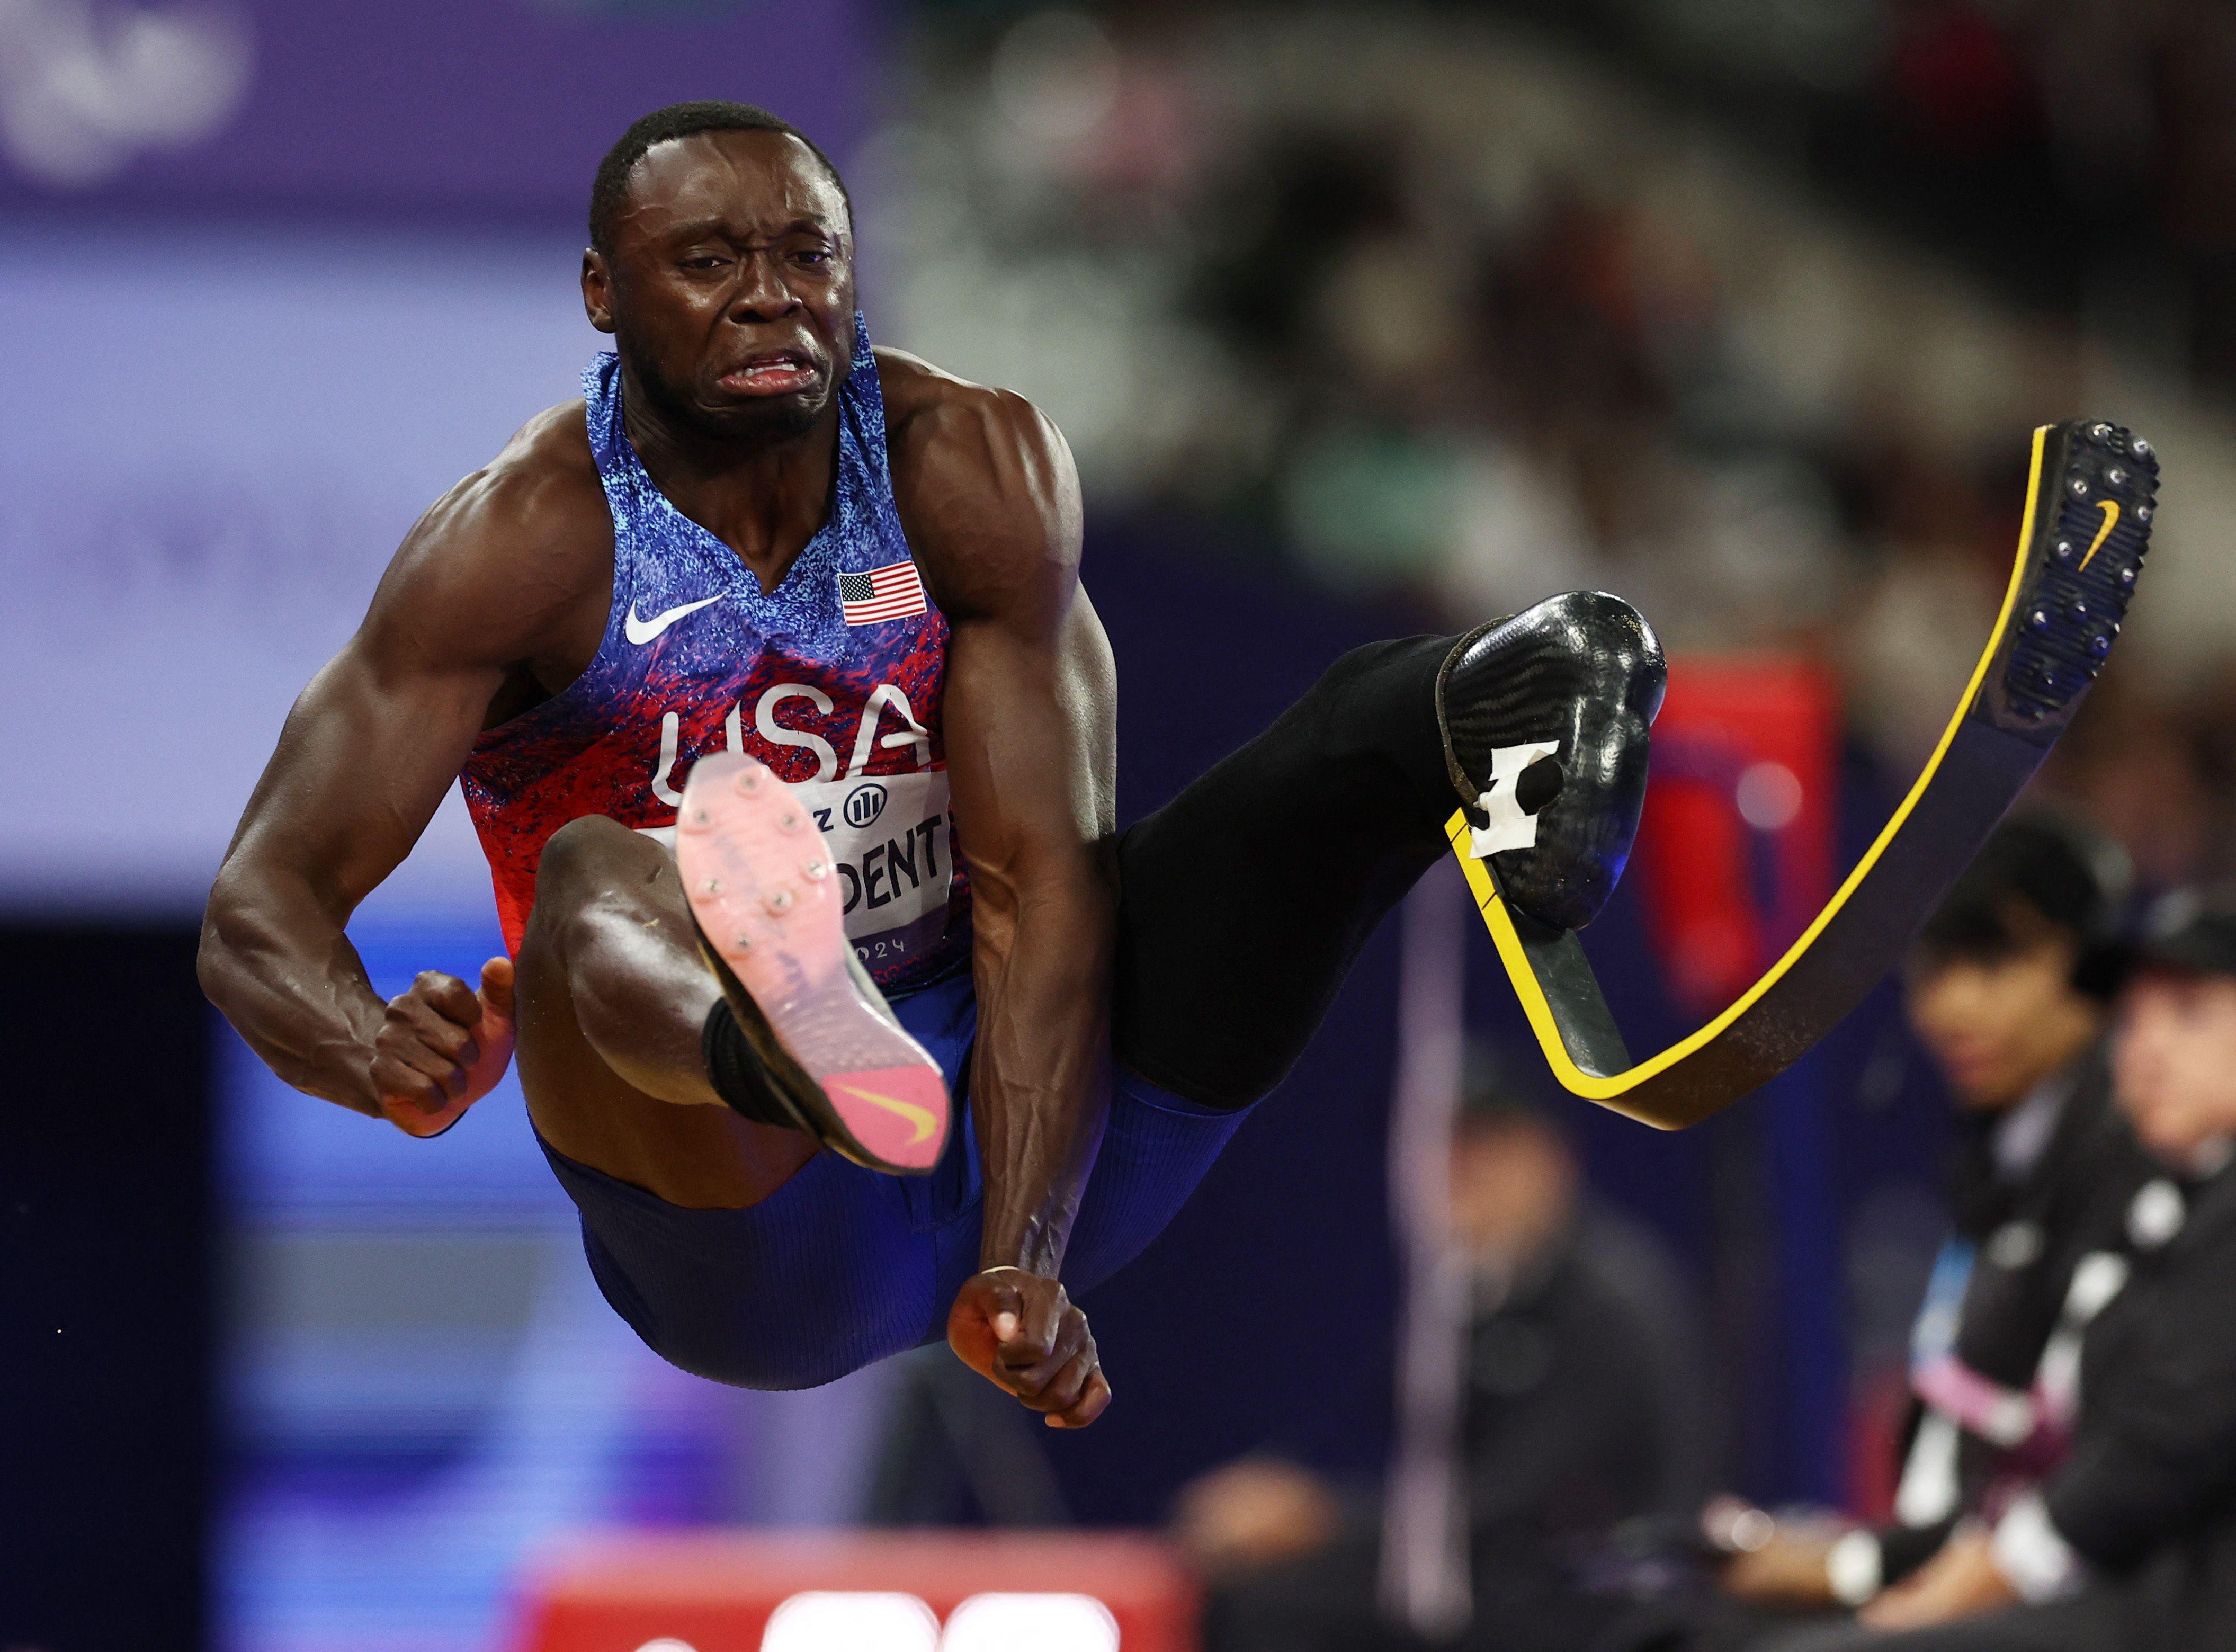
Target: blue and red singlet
<point>833,680</point>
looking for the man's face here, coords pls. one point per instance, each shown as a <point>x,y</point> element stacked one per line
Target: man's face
<point>1999,1026</point>
<point>729,288</point>
<point>2173,1064</point>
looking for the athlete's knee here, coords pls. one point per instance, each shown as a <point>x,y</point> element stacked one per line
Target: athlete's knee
<point>593,871</point>
<point>588,852</point>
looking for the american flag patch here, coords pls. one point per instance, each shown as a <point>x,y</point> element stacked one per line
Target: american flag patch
<point>890,593</point>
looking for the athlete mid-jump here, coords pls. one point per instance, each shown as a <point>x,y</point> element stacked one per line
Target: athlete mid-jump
<point>787,728</point>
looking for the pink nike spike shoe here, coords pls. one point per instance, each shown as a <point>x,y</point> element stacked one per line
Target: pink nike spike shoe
<point>758,877</point>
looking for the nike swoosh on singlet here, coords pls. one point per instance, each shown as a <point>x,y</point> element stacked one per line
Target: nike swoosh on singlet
<point>642,631</point>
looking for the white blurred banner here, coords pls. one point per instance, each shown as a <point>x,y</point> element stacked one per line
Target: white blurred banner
<point>211,441</point>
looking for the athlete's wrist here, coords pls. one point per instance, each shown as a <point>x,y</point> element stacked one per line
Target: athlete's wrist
<point>343,1070</point>
<point>351,1086</point>
<point>1037,1253</point>
<point>1012,1268</point>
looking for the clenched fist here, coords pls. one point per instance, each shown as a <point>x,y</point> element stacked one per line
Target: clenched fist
<point>1021,1332</point>
<point>442,1047</point>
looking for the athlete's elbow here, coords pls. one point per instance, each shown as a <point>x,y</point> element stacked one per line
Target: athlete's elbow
<point>209,967</point>
<point>217,952</point>
<point>235,950</point>
<point>241,926</point>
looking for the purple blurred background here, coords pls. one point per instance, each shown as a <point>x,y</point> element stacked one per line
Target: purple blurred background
<point>415,112</point>
<point>1360,318</point>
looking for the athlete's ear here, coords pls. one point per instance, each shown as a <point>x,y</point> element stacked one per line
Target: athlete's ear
<point>598,290</point>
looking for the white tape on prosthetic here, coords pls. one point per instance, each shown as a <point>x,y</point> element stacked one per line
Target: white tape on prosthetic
<point>1508,827</point>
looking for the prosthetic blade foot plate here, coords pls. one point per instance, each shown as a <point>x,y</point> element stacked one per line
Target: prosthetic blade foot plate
<point>2091,494</point>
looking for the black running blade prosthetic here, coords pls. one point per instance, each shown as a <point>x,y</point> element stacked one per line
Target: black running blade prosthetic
<point>2091,491</point>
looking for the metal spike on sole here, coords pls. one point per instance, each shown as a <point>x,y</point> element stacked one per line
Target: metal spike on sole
<point>838,1058</point>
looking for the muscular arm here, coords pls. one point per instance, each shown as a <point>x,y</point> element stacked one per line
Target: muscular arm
<point>485,597</point>
<point>991,499</point>
<point>1029,748</point>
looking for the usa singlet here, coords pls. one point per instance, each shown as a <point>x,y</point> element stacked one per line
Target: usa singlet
<point>833,680</point>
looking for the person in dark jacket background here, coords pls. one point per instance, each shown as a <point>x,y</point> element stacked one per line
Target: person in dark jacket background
<point>2129,1545</point>
<point>2009,987</point>
<point>1580,1409</point>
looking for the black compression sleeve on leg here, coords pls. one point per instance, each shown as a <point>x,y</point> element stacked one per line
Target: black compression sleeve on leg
<point>1243,901</point>
<point>736,1072</point>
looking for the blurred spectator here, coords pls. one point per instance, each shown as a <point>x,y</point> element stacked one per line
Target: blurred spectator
<point>1581,1411</point>
<point>2155,772</point>
<point>1441,307</point>
<point>2008,988</point>
<point>2130,1542</point>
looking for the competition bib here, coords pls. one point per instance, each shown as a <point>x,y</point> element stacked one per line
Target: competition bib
<point>892,852</point>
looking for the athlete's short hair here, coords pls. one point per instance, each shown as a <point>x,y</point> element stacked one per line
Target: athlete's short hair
<point>2041,872</point>
<point>683,121</point>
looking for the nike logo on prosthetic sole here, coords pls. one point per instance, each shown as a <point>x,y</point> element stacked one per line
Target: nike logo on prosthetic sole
<point>640,632</point>
<point>2111,520</point>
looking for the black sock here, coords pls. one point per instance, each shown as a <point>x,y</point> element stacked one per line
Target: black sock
<point>736,1072</point>
<point>1243,901</point>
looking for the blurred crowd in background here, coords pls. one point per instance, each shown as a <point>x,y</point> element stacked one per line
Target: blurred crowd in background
<point>1738,307</point>
<point>1358,317</point>
<point>1735,307</point>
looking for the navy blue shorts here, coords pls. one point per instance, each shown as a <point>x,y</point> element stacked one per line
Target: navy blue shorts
<point>842,1266</point>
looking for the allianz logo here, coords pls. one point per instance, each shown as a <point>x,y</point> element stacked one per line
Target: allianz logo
<point>863,804</point>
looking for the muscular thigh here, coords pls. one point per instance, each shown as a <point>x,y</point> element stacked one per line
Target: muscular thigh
<point>609,941</point>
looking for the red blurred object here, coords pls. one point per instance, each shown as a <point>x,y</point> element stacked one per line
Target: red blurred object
<point>715,1591</point>
<point>1736,847</point>
<point>1957,75</point>
<point>1876,1426</point>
